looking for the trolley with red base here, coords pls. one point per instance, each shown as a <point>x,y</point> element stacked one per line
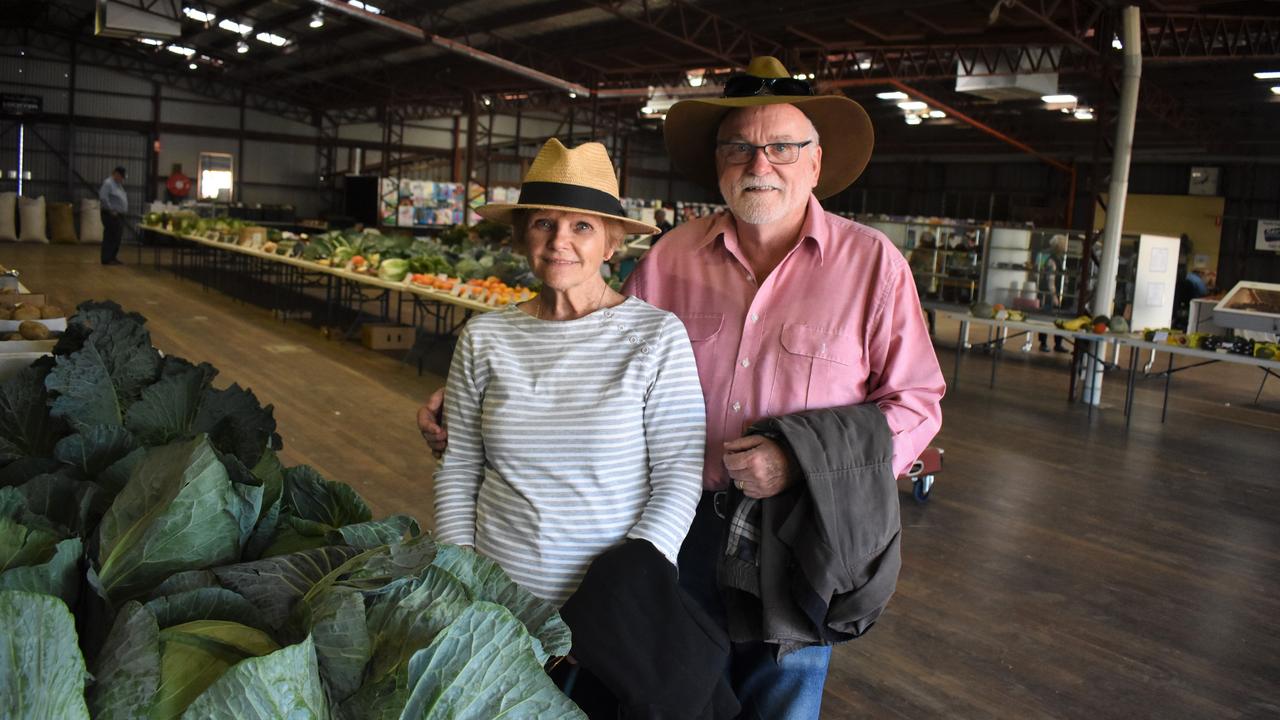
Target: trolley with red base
<point>922,472</point>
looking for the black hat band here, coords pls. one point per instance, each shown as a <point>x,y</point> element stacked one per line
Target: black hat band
<point>573,196</point>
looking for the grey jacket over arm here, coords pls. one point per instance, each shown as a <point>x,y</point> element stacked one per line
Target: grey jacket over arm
<point>817,564</point>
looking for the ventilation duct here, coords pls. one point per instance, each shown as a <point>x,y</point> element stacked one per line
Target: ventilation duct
<point>1001,79</point>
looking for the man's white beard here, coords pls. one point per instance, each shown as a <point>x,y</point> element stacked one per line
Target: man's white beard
<point>762,208</point>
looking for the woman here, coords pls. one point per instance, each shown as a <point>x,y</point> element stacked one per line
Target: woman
<point>575,419</point>
<point>1049,282</point>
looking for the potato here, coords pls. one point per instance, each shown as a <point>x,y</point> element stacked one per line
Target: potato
<point>14,336</point>
<point>32,330</point>
<point>26,312</point>
<point>51,311</point>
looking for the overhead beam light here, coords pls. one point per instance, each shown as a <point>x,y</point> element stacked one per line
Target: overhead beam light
<point>937,114</point>
<point>192,66</point>
<point>242,47</point>
<point>232,26</point>
<point>913,105</point>
<point>317,20</point>
<point>365,7</point>
<point>151,41</point>
<point>1084,114</point>
<point>272,39</point>
<point>180,50</point>
<point>914,120</point>
<point>198,15</point>
<point>1058,99</point>
<point>895,95</point>
<point>1276,89</point>
<point>1268,75</point>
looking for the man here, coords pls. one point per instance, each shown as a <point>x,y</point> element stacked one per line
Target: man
<point>663,224</point>
<point>1050,280</point>
<point>115,203</point>
<point>789,309</point>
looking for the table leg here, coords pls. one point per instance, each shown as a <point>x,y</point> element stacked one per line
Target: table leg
<point>1168,377</point>
<point>996,350</point>
<point>955,374</point>
<point>1128,395</point>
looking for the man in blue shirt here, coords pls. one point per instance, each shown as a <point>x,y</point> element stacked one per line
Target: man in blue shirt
<point>115,203</point>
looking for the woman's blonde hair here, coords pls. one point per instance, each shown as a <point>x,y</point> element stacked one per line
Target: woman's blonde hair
<point>614,231</point>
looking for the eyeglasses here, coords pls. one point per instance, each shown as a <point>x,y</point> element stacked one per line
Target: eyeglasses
<point>741,153</point>
<point>748,85</point>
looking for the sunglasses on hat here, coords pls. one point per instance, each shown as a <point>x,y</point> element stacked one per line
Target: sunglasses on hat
<point>749,85</point>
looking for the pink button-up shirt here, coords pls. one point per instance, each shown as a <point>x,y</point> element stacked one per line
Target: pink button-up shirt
<point>837,323</point>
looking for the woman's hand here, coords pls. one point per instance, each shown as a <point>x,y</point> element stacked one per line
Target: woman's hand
<point>431,423</point>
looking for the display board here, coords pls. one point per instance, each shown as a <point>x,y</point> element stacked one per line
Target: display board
<point>1155,282</point>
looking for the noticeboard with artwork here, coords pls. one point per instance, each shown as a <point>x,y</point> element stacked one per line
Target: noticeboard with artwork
<point>1269,235</point>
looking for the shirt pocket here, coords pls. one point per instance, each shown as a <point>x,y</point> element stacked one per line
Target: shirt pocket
<point>702,327</point>
<point>816,369</point>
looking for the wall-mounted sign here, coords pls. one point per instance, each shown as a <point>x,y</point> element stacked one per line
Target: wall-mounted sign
<point>1269,235</point>
<point>12,104</point>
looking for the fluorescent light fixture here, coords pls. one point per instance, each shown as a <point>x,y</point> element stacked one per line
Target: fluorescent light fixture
<point>1084,114</point>
<point>317,20</point>
<point>180,50</point>
<point>914,120</point>
<point>1276,89</point>
<point>865,64</point>
<point>696,78</point>
<point>242,47</point>
<point>272,39</point>
<point>192,66</point>
<point>1268,75</point>
<point>895,95</point>
<point>937,114</point>
<point>913,105</point>
<point>151,41</point>
<point>235,27</point>
<point>198,15</point>
<point>1058,99</point>
<point>365,7</point>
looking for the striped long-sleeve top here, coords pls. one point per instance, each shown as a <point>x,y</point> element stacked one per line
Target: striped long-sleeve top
<point>565,437</point>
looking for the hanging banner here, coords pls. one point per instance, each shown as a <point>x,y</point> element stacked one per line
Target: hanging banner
<point>1269,235</point>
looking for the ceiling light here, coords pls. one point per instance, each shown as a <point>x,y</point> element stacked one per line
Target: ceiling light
<point>242,47</point>
<point>810,76</point>
<point>151,41</point>
<point>1058,99</point>
<point>235,27</point>
<point>696,78</point>
<point>798,76</point>
<point>180,50</point>
<point>895,95</point>
<point>1084,114</point>
<point>272,39</point>
<point>913,120</point>
<point>486,100</point>
<point>572,95</point>
<point>364,6</point>
<point>937,114</point>
<point>1268,75</point>
<point>192,66</point>
<point>198,15</point>
<point>317,20</point>
<point>1276,89</point>
<point>913,105</point>
<point>865,64</point>
<point>1115,42</point>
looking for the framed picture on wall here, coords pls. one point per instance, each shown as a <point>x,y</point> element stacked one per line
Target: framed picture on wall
<point>1269,235</point>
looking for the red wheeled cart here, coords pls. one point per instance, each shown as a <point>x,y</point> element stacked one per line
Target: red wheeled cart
<point>922,473</point>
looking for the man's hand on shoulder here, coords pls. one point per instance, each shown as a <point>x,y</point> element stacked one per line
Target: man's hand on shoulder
<point>431,423</point>
<point>759,467</point>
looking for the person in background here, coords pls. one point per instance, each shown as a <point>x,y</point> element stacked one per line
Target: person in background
<point>1202,281</point>
<point>178,186</point>
<point>744,283</point>
<point>1050,284</point>
<point>115,203</point>
<point>660,220</point>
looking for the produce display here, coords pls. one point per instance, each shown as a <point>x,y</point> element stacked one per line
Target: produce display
<point>996,311</point>
<point>465,262</point>
<point>207,580</point>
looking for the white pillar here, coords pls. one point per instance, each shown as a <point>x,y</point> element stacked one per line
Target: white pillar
<point>1105,289</point>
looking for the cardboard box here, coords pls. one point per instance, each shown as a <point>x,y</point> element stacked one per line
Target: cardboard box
<point>386,337</point>
<point>10,299</point>
<point>254,236</point>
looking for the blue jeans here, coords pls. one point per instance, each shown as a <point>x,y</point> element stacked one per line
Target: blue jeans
<point>769,689</point>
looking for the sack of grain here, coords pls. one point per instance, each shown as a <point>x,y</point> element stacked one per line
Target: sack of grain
<point>8,212</point>
<point>90,221</point>
<point>62,224</point>
<point>31,227</point>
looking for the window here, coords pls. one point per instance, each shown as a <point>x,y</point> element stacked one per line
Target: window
<point>216,180</point>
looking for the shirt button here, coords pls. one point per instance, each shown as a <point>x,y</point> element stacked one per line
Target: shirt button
<point>737,406</point>
<point>633,339</point>
<point>755,318</point>
<point>746,362</point>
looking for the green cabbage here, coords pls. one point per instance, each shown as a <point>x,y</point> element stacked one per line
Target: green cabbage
<point>393,269</point>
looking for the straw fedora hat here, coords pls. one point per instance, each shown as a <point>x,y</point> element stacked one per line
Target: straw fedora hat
<point>844,128</point>
<point>578,180</point>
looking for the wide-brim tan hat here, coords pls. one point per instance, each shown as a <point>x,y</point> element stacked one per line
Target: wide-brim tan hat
<point>579,180</point>
<point>844,131</point>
